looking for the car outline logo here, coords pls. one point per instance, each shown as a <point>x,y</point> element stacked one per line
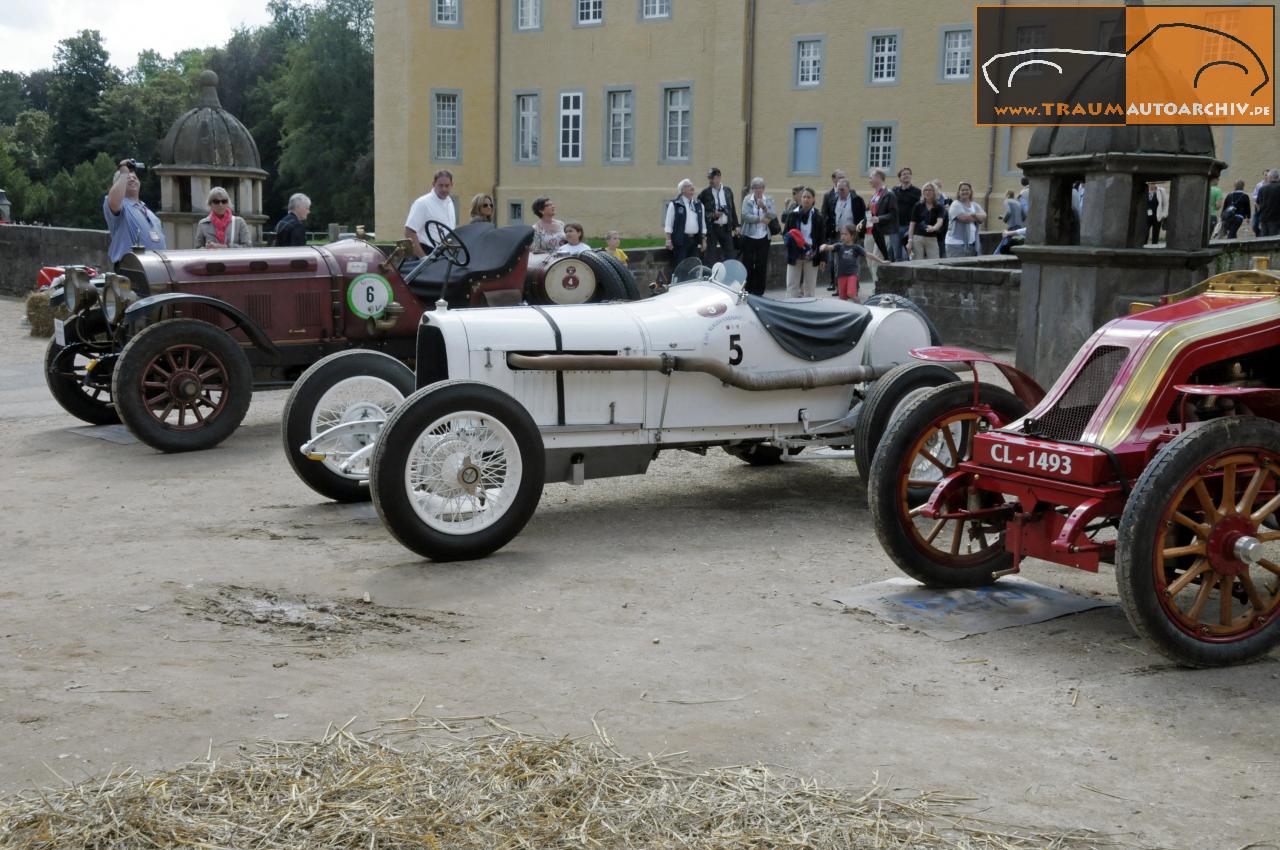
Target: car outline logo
<point>986,73</point>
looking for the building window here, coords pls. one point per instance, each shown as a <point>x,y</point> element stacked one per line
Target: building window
<point>957,54</point>
<point>622,131</point>
<point>879,147</point>
<point>446,13</point>
<point>677,130</point>
<point>808,62</point>
<point>571,127</point>
<point>445,126</point>
<point>805,149</point>
<point>515,212</point>
<point>528,14</point>
<point>1029,38</point>
<point>884,58</point>
<point>590,12</point>
<point>652,9</point>
<point>527,123</point>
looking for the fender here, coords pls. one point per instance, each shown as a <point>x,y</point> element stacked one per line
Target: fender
<point>146,307</point>
<point>1263,401</point>
<point>1024,386</point>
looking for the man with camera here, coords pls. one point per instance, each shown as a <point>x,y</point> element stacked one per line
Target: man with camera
<point>722,218</point>
<point>131,223</point>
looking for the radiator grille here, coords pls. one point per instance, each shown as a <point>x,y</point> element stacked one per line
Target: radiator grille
<point>259,309</point>
<point>1067,419</point>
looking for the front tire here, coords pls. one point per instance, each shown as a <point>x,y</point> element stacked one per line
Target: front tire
<point>458,471</point>
<point>923,445</point>
<point>72,386</point>
<point>346,387</point>
<point>1179,570</point>
<point>182,385</point>
<point>887,395</point>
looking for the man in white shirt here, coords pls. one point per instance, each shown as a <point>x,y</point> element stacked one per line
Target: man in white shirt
<point>685,224</point>
<point>436,205</point>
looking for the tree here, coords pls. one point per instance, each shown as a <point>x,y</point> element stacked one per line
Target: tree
<point>81,76</point>
<point>327,113</point>
<point>12,100</point>
<point>35,89</point>
<point>134,117</point>
<point>29,141</point>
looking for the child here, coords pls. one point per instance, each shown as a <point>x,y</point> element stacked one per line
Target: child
<point>573,243</point>
<point>612,239</point>
<point>847,251</point>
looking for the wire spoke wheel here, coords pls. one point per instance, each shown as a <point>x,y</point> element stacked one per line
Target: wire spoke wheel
<point>1198,556</point>
<point>463,472</point>
<point>962,543</point>
<point>363,398</point>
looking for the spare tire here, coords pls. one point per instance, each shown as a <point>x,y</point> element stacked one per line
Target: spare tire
<point>624,274</point>
<point>888,299</point>
<point>609,285</point>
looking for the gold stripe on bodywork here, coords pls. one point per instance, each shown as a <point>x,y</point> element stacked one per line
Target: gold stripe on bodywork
<point>1146,380</point>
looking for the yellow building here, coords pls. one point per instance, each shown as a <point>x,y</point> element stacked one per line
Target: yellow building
<point>606,105</point>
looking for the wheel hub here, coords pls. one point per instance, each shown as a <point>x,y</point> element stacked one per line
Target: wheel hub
<point>468,475</point>
<point>185,386</point>
<point>1232,547</point>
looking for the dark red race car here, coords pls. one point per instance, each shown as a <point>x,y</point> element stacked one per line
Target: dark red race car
<point>175,345</point>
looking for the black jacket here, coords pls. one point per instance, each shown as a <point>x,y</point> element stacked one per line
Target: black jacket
<point>1269,203</point>
<point>709,204</point>
<point>290,231</point>
<point>906,199</point>
<point>858,208</point>
<point>888,211</point>
<point>817,227</point>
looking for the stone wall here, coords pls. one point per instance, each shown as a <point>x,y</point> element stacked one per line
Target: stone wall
<point>973,301</point>
<point>24,250</point>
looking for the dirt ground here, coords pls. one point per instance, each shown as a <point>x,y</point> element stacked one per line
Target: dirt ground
<point>152,606</point>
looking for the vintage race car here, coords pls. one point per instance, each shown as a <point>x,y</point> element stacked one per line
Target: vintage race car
<point>508,400</point>
<point>175,345</point>
<point>1158,450</point>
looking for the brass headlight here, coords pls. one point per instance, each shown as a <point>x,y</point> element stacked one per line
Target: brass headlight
<point>117,295</point>
<point>78,291</point>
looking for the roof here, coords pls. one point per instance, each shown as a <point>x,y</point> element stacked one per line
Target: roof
<point>209,135</point>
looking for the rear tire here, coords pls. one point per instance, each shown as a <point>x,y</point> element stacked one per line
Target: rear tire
<point>458,470</point>
<point>886,396</point>
<point>942,412</point>
<point>182,385</point>
<point>343,387</point>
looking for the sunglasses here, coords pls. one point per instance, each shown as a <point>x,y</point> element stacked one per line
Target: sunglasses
<point>486,204</point>
<point>220,201</point>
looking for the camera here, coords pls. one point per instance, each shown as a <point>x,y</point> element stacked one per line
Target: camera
<point>134,166</point>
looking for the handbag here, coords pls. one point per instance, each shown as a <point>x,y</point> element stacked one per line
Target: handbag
<point>775,227</point>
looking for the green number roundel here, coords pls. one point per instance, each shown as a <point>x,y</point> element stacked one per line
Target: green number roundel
<point>368,295</point>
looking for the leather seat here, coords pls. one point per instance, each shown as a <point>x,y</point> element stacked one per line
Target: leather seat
<point>495,251</point>
<point>812,329</point>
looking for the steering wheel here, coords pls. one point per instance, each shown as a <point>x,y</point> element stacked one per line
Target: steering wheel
<point>445,238</point>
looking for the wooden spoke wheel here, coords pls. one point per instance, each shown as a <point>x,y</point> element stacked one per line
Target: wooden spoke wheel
<point>923,445</point>
<point>1198,561</point>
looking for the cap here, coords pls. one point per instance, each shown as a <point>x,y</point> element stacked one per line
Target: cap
<point>712,173</point>
<point>797,237</point>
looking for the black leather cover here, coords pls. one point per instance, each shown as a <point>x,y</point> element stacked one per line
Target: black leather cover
<point>814,330</point>
<point>495,251</point>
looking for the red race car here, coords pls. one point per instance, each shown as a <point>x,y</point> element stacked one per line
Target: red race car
<point>1157,450</point>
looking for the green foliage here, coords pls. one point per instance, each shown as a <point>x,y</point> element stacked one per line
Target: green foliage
<point>81,75</point>
<point>302,85</point>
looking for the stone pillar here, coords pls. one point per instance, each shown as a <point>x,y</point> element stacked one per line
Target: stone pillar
<point>1188,212</point>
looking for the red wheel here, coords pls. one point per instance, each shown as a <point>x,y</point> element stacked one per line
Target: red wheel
<point>1198,558</point>
<point>182,385</point>
<point>924,444</point>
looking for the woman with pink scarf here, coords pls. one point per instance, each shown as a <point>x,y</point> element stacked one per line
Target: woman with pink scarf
<point>221,229</point>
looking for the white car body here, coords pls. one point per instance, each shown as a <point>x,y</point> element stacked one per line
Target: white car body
<point>618,420</point>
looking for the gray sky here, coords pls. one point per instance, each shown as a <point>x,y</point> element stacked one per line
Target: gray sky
<point>29,29</point>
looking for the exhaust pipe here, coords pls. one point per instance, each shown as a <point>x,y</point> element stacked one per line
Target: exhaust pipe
<point>787,379</point>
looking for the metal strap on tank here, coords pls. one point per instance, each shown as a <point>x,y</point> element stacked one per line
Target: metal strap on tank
<point>555,330</point>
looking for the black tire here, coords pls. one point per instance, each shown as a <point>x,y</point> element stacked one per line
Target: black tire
<point>760,454</point>
<point>299,420</point>
<point>225,384</point>
<point>890,504</point>
<point>608,284</point>
<point>1145,579</point>
<point>888,299</point>
<point>624,275</point>
<point>398,444</point>
<point>887,396</point>
<point>88,402</point>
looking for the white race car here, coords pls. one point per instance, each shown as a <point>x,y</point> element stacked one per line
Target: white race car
<point>509,399</point>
